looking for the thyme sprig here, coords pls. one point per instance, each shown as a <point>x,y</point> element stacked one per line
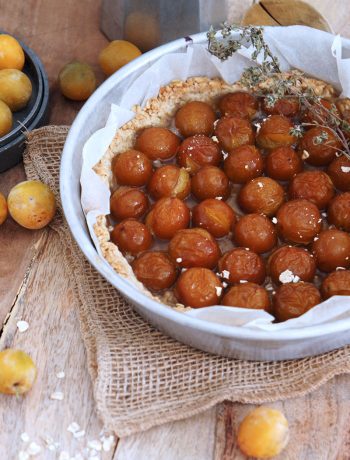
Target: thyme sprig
<point>231,38</point>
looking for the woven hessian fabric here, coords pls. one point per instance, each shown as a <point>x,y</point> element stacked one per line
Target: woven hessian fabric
<point>141,377</point>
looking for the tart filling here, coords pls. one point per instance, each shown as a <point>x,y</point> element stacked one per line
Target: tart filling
<point>207,256</point>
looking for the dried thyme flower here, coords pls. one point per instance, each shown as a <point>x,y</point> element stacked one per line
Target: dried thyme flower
<point>266,67</point>
<point>320,139</point>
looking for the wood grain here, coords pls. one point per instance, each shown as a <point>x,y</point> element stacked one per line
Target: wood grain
<point>285,13</point>
<point>190,439</point>
<point>59,32</point>
<point>53,340</point>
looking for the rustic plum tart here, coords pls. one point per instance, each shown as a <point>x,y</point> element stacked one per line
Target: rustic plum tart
<point>218,197</point>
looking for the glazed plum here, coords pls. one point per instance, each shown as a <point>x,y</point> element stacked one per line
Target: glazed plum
<point>131,236</point>
<point>157,143</point>
<point>319,111</point>
<point>339,172</point>
<point>289,263</point>
<point>194,247</point>
<point>247,295</point>
<point>233,132</point>
<point>240,265</point>
<point>167,216</point>
<point>210,182</point>
<point>195,117</point>
<point>332,250</point>
<point>319,146</point>
<point>298,221</point>
<point>243,164</point>
<point>155,270</point>
<point>215,216</point>
<point>239,104</point>
<point>261,195</point>
<point>128,202</point>
<point>294,299</point>
<point>198,287</point>
<point>283,164</point>
<point>338,212</point>
<point>132,168</point>
<point>275,132</point>
<point>314,186</point>
<point>336,283</point>
<point>256,232</point>
<point>170,181</point>
<point>197,151</point>
<point>287,106</point>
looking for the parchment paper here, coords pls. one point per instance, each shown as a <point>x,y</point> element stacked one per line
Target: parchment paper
<point>318,54</point>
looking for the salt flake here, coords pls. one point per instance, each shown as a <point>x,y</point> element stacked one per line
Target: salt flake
<point>25,437</point>
<point>95,444</point>
<point>33,449</point>
<point>73,427</point>
<point>60,375</point>
<point>22,326</point>
<point>274,220</point>
<point>79,434</point>
<point>64,455</point>
<point>225,274</point>
<point>288,277</point>
<point>107,442</point>
<point>218,290</point>
<point>57,395</point>
<point>179,260</point>
<point>345,169</point>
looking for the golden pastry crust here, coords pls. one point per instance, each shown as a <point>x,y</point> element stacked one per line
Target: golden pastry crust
<point>159,111</point>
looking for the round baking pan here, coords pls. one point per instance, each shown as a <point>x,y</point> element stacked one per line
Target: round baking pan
<point>11,145</point>
<point>225,340</point>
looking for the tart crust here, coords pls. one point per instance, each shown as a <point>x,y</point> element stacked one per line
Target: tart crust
<point>159,111</point>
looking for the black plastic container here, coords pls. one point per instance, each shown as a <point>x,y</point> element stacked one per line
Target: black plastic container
<point>29,118</point>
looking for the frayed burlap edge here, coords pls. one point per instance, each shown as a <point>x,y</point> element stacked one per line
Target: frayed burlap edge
<point>142,378</point>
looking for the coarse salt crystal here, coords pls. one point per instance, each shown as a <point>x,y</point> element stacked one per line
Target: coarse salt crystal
<point>260,184</point>
<point>64,455</point>
<point>340,268</point>
<point>179,259</point>
<point>243,281</point>
<point>79,434</point>
<point>225,274</point>
<point>288,277</point>
<point>95,444</point>
<point>215,139</point>
<point>224,284</point>
<point>305,155</point>
<point>22,326</point>
<point>107,443</point>
<point>33,449</point>
<point>25,437</point>
<point>345,169</point>
<point>60,375</point>
<point>73,427</point>
<point>224,154</point>
<point>274,220</point>
<point>218,198</point>
<point>57,395</point>
<point>218,290</point>
<point>77,456</point>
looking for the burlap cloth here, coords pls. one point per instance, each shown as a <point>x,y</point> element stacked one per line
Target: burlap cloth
<point>142,378</point>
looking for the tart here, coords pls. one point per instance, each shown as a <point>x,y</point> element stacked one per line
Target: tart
<point>197,158</point>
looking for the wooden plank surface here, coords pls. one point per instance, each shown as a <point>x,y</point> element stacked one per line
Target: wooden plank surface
<point>33,288</point>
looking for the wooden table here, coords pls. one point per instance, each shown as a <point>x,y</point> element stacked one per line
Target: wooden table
<point>32,288</point>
